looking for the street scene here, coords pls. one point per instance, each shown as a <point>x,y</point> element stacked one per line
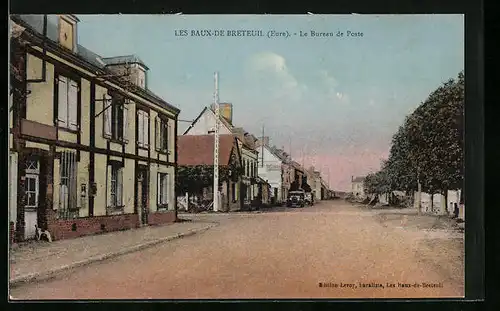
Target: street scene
<point>280,254</point>
<point>237,157</point>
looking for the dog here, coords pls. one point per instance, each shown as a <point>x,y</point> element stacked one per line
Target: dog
<point>42,234</point>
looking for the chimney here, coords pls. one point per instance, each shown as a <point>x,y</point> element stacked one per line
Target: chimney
<point>265,140</point>
<point>226,111</point>
<point>131,67</point>
<point>352,178</point>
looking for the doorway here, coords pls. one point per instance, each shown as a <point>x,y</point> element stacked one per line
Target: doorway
<point>32,197</point>
<point>142,193</point>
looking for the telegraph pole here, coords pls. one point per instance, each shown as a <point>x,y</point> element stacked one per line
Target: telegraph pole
<point>262,148</point>
<point>216,143</point>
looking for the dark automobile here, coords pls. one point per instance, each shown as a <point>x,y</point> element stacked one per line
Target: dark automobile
<point>296,199</point>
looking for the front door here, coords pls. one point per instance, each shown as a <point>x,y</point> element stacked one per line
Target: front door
<point>142,195</point>
<point>32,195</point>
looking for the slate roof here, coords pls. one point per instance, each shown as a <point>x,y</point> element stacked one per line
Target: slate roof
<point>35,22</point>
<point>199,149</point>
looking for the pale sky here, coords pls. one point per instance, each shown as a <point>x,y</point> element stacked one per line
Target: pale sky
<point>339,100</point>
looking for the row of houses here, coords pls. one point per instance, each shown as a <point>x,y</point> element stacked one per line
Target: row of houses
<point>430,203</point>
<point>92,149</point>
<point>267,173</point>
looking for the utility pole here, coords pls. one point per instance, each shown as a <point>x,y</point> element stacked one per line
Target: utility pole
<point>216,143</point>
<point>262,148</point>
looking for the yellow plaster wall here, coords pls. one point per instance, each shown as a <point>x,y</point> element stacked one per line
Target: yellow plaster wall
<point>83,178</point>
<point>85,112</point>
<point>67,136</point>
<point>128,186</point>
<point>100,180</point>
<point>100,141</point>
<point>30,144</point>
<point>40,102</point>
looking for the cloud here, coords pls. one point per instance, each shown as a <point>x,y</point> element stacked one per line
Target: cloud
<point>329,81</point>
<point>271,70</point>
<point>331,87</point>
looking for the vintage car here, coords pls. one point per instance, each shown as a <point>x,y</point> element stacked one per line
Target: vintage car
<point>296,199</point>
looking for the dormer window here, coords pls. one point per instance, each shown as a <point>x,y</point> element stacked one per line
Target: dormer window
<point>67,32</point>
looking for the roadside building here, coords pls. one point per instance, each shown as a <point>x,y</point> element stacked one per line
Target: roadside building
<point>197,151</point>
<point>357,188</point>
<point>92,148</point>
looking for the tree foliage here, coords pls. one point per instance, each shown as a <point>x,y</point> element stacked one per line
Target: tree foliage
<point>428,146</point>
<point>194,179</point>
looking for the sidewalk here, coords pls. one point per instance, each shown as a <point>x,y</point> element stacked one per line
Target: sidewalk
<point>42,260</point>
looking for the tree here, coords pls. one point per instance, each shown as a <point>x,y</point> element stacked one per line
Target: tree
<point>193,179</point>
<point>428,146</point>
<point>437,137</point>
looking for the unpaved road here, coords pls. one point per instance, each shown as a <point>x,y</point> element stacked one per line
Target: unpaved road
<point>281,254</point>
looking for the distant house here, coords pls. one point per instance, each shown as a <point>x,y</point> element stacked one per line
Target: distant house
<point>204,124</point>
<point>357,188</point>
<point>270,169</point>
<point>198,150</point>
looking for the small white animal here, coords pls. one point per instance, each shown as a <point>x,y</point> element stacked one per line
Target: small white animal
<point>42,234</point>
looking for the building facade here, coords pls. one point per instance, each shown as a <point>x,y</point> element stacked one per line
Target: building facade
<point>197,151</point>
<point>96,149</point>
<point>270,170</point>
<point>357,188</point>
<point>204,124</point>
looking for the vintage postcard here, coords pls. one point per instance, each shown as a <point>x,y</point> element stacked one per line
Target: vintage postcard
<point>236,156</point>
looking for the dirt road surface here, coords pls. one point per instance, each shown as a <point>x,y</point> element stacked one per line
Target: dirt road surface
<point>284,253</point>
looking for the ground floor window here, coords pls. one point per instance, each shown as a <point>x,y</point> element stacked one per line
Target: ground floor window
<point>116,186</point>
<point>67,186</point>
<point>163,191</point>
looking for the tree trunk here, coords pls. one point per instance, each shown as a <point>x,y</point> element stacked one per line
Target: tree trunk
<point>419,199</point>
<point>445,206</point>
<point>432,202</point>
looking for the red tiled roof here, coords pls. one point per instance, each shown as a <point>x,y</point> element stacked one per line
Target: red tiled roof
<point>199,149</point>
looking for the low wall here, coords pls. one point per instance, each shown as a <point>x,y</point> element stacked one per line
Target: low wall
<point>72,228</point>
<point>158,218</point>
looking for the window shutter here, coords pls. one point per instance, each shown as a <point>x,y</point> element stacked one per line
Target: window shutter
<point>62,103</point>
<point>107,116</point>
<point>72,105</point>
<point>108,185</point>
<point>157,134</point>
<point>125,122</point>
<point>140,128</point>
<point>158,187</point>
<point>167,135</point>
<point>146,129</point>
<point>119,187</point>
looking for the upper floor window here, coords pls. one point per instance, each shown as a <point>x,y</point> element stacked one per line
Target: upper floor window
<point>162,130</point>
<point>115,118</point>
<point>67,103</point>
<point>67,32</point>
<point>142,128</point>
